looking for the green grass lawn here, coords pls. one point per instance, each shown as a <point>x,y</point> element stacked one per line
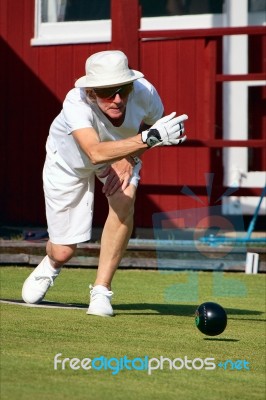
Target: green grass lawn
<point>154,317</point>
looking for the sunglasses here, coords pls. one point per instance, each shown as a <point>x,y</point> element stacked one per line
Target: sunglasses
<point>110,93</point>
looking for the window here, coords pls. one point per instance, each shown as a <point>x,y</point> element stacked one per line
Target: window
<point>74,10</point>
<point>71,21</point>
<point>88,21</point>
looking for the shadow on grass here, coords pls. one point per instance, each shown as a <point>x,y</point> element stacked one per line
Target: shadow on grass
<point>46,304</point>
<point>182,310</point>
<point>221,339</point>
<point>174,309</point>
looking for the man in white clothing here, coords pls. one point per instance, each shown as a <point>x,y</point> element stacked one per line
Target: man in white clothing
<point>107,121</point>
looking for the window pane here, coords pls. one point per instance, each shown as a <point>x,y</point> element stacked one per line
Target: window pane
<point>256,5</point>
<point>74,10</point>
<point>158,8</point>
<point>89,10</point>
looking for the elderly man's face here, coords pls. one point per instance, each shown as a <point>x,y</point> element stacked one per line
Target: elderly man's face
<point>113,101</point>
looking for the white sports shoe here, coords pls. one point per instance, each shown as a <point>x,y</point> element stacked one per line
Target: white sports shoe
<point>37,284</point>
<point>100,301</point>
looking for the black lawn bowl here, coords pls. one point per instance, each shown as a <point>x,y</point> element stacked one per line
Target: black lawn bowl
<point>211,318</point>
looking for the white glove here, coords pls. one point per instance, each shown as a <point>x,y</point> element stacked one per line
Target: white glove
<point>167,131</point>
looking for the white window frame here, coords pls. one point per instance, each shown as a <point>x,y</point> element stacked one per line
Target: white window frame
<point>235,115</point>
<point>53,33</point>
<point>99,31</point>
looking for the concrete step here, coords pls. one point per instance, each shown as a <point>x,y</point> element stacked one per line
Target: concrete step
<point>144,254</point>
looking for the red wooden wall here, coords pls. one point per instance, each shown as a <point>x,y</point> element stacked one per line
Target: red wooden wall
<point>178,72</point>
<point>187,70</point>
<point>34,81</point>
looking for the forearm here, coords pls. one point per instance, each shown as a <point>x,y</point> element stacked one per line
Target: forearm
<point>167,131</point>
<point>111,151</point>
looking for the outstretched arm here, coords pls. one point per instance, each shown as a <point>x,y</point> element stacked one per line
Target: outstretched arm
<point>107,152</point>
<point>167,131</point>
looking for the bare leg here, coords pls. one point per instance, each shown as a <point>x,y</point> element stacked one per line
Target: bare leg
<point>42,278</point>
<point>116,234</point>
<point>59,254</point>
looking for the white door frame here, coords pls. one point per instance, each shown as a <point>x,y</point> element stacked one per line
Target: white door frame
<point>235,114</point>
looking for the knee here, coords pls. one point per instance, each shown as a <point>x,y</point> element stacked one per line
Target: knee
<point>60,254</point>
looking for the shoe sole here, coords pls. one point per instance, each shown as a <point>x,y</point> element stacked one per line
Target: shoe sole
<point>99,315</point>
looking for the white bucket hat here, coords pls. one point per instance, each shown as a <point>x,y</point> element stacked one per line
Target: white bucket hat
<point>107,69</point>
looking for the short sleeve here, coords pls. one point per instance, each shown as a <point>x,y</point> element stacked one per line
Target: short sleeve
<point>77,112</point>
<point>155,107</point>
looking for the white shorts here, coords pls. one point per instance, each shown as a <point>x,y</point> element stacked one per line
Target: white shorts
<point>69,200</point>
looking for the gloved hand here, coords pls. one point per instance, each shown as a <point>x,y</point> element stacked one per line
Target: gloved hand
<point>167,131</point>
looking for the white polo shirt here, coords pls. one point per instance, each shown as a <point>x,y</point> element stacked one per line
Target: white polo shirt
<point>144,105</point>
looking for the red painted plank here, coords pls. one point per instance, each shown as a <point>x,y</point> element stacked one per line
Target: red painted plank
<point>246,77</point>
<point>197,33</point>
<point>125,35</point>
<point>219,143</point>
